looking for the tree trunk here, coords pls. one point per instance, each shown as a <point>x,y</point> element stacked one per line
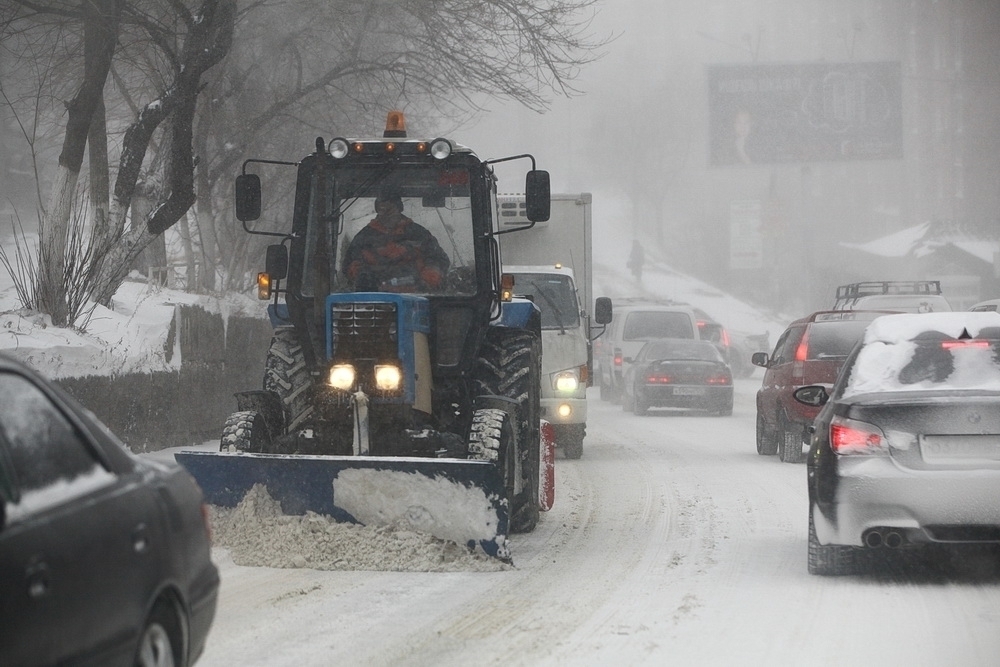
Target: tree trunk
<point>100,34</point>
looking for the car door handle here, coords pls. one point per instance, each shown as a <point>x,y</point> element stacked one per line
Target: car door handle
<point>38,579</point>
<point>140,539</point>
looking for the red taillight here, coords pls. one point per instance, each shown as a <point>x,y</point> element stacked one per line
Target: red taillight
<point>725,338</point>
<point>954,344</point>
<point>848,437</point>
<point>719,379</point>
<point>658,379</point>
<point>802,351</point>
<point>618,359</point>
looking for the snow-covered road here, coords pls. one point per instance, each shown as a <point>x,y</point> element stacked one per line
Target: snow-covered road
<point>671,542</point>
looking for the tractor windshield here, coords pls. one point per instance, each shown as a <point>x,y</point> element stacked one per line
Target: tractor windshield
<point>395,229</point>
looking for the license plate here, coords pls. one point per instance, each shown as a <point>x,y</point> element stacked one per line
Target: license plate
<point>945,448</point>
<point>689,391</point>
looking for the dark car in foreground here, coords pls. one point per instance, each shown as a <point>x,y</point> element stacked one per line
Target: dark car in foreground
<point>811,350</point>
<point>678,373</point>
<point>104,556</point>
<point>906,449</point>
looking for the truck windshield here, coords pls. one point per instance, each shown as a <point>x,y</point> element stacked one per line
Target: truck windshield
<point>555,296</point>
<point>396,229</point>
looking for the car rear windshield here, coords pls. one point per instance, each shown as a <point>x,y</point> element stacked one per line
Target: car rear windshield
<point>682,349</point>
<point>830,340</point>
<point>645,324</point>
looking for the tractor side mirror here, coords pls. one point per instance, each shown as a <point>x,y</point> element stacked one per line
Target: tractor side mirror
<point>602,310</point>
<point>537,195</point>
<point>276,262</point>
<point>247,197</point>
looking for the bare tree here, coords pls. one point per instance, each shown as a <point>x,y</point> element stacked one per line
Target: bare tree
<point>177,129</point>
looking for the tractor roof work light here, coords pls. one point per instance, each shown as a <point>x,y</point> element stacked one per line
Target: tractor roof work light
<point>395,125</point>
<point>339,148</point>
<point>440,149</point>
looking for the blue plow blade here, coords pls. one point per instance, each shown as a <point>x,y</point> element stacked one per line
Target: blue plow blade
<point>452,499</point>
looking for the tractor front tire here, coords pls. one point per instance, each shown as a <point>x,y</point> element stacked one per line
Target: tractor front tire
<point>245,432</point>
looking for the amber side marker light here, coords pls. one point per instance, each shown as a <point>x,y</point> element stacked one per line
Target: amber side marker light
<point>506,287</point>
<point>263,286</point>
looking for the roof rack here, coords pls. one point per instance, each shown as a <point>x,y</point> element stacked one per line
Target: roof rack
<point>855,290</point>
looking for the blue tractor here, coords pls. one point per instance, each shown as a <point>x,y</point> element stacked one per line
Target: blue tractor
<point>392,395</point>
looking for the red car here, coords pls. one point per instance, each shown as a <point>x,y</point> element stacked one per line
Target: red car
<point>811,350</point>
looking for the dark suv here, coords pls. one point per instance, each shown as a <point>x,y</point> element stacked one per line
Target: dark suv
<point>811,350</point>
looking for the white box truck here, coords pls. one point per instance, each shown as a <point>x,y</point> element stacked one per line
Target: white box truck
<point>552,265</point>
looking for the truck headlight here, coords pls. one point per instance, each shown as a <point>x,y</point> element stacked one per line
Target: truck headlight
<point>565,381</point>
<point>388,378</point>
<point>342,377</point>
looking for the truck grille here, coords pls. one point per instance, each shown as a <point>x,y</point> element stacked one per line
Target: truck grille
<point>364,331</point>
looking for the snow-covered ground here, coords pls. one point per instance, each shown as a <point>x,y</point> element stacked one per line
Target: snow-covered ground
<point>671,542</point>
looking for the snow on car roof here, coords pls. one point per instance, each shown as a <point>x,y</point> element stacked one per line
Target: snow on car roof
<point>888,360</point>
<point>906,326</point>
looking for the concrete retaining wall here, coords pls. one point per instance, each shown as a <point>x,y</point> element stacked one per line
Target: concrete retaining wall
<point>151,411</point>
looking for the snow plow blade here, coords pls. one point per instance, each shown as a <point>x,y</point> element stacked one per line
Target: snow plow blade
<point>452,499</point>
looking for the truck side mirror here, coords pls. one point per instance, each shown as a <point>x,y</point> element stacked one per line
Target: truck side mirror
<point>602,310</point>
<point>276,262</point>
<point>537,195</point>
<point>247,197</point>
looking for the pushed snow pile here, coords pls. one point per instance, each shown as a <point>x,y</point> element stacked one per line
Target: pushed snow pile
<point>256,533</point>
<point>438,506</point>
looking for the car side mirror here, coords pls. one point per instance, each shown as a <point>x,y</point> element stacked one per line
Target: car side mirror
<point>759,359</point>
<point>814,395</point>
<point>602,310</point>
<point>627,360</point>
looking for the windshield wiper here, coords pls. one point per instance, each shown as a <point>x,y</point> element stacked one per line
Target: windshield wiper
<point>552,304</point>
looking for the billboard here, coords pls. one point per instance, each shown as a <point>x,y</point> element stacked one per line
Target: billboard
<point>806,112</point>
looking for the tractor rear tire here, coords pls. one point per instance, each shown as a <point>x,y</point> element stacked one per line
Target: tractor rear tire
<point>286,375</point>
<point>509,365</point>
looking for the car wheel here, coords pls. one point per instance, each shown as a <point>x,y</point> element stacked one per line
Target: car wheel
<point>829,559</point>
<point>570,438</point>
<point>161,642</point>
<point>789,442</point>
<point>605,390</point>
<point>640,404</point>
<point>767,445</point>
<point>628,401</point>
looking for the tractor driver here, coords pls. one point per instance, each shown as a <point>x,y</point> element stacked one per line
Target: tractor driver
<point>392,253</point>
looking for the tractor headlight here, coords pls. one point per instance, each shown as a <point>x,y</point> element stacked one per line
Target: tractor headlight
<point>565,381</point>
<point>388,378</point>
<point>342,377</point>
